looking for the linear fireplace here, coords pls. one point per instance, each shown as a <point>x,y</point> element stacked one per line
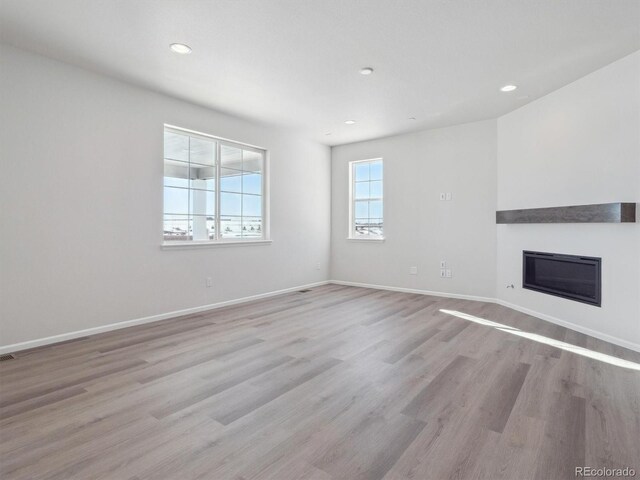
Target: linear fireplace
<point>568,276</point>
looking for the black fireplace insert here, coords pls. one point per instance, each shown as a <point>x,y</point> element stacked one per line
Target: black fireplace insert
<point>568,276</point>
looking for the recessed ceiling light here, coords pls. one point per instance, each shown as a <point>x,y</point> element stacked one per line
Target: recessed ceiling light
<point>508,88</point>
<point>180,48</point>
<point>350,122</point>
<point>366,71</point>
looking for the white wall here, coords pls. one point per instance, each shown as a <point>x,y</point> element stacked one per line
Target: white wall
<point>81,205</point>
<point>577,145</point>
<point>420,229</point>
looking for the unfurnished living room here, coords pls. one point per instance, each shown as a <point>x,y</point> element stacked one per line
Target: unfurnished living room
<point>319,239</point>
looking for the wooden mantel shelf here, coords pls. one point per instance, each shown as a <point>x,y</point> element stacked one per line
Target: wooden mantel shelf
<point>620,212</point>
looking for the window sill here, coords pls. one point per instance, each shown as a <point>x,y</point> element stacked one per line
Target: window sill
<point>373,240</point>
<point>229,243</point>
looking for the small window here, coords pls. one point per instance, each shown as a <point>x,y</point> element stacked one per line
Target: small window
<point>213,189</point>
<point>366,209</point>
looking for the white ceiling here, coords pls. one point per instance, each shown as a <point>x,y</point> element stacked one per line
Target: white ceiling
<point>295,63</point>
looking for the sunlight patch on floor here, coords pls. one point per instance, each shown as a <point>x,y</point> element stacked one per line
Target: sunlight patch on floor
<point>585,352</point>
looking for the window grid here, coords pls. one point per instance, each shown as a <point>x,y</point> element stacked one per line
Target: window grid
<point>186,230</point>
<point>366,192</point>
<point>248,225</point>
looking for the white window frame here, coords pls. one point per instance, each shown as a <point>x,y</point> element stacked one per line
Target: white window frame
<point>219,241</point>
<point>352,203</point>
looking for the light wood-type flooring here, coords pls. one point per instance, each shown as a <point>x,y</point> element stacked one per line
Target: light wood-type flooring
<point>334,383</point>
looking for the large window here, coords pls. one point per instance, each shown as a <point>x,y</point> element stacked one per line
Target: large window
<point>366,218</point>
<point>213,189</point>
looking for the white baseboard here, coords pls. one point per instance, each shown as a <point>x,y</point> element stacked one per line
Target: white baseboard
<point>177,313</point>
<point>542,316</point>
<point>413,290</point>
<point>572,326</point>
<point>140,321</point>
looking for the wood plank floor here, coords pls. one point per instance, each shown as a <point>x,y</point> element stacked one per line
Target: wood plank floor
<point>335,383</point>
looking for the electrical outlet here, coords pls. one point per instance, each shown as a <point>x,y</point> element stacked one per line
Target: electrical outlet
<point>448,196</point>
<point>443,197</point>
<point>443,264</point>
<point>318,266</point>
<point>448,273</point>
<point>413,270</point>
<point>209,282</point>
<point>442,273</point>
